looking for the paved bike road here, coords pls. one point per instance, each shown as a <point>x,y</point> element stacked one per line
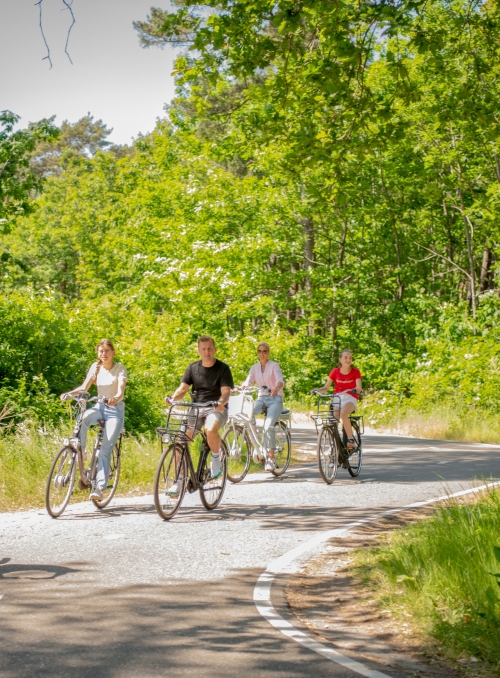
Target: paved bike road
<point>119,593</point>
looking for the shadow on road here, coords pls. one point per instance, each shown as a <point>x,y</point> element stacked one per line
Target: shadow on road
<point>177,629</point>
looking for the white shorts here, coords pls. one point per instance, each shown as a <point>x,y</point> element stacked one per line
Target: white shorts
<point>344,399</point>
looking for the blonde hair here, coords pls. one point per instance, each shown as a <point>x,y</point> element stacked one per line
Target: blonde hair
<point>346,350</point>
<point>264,343</point>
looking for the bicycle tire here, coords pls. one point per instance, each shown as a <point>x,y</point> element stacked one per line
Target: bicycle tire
<point>62,473</point>
<point>166,474</point>
<point>283,450</point>
<point>212,489</point>
<point>113,478</point>
<point>239,453</point>
<point>327,454</point>
<point>356,457</point>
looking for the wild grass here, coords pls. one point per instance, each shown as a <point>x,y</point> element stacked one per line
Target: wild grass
<point>441,576</point>
<point>26,456</point>
<point>445,423</point>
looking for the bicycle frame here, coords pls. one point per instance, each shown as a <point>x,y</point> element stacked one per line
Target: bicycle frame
<point>245,420</point>
<point>183,437</point>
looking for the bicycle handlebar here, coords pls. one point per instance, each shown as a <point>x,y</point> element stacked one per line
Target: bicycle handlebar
<point>351,391</point>
<point>78,398</point>
<point>177,403</point>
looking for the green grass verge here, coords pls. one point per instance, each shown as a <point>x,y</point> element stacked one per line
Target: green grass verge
<point>26,456</point>
<point>451,421</point>
<point>442,576</point>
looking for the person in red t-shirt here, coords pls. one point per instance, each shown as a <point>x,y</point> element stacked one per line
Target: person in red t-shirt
<point>346,379</point>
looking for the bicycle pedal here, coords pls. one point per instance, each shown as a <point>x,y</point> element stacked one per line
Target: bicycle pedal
<point>190,488</point>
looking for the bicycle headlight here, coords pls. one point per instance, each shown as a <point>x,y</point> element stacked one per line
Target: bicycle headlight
<point>319,421</point>
<point>165,438</point>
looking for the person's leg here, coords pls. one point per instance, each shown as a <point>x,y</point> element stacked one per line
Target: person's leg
<point>347,409</point>
<point>274,409</point>
<point>90,418</point>
<point>214,421</point>
<point>257,409</point>
<point>112,429</point>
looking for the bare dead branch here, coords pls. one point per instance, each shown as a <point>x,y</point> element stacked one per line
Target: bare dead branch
<point>39,3</point>
<point>450,261</point>
<point>68,6</point>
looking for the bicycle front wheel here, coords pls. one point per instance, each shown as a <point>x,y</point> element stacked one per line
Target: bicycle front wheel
<point>239,451</point>
<point>356,456</point>
<point>326,451</point>
<point>283,450</point>
<point>212,489</point>
<point>114,475</point>
<point>61,481</point>
<point>170,481</point>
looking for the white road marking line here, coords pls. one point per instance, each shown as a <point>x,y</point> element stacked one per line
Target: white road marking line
<point>285,564</point>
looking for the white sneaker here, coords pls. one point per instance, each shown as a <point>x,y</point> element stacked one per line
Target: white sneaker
<point>215,466</point>
<point>270,464</point>
<point>256,456</point>
<point>173,490</point>
<point>96,494</point>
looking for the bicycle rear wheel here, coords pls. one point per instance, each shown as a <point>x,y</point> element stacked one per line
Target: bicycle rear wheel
<point>114,476</point>
<point>212,489</point>
<point>61,481</point>
<point>327,454</point>
<point>171,470</point>
<point>283,450</point>
<point>356,456</point>
<point>239,452</point>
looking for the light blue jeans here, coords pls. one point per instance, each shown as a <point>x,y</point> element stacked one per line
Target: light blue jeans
<point>274,406</point>
<point>114,418</point>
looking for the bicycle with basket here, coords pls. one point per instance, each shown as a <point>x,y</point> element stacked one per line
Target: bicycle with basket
<point>177,462</point>
<point>331,448</point>
<point>243,442</point>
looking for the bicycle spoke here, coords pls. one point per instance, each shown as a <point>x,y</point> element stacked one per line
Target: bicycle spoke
<point>61,481</point>
<point>327,454</point>
<point>170,481</point>
<point>212,488</point>
<point>239,450</point>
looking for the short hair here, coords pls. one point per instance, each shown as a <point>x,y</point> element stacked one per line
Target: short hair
<point>264,343</point>
<point>205,338</point>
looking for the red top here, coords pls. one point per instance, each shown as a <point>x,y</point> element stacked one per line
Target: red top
<point>345,382</point>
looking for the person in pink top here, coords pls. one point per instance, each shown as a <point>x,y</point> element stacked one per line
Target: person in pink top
<point>347,380</point>
<point>269,378</point>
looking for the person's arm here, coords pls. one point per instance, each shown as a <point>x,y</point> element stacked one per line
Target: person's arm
<point>89,380</point>
<point>324,388</point>
<point>359,388</point>
<point>179,393</point>
<point>225,392</point>
<point>250,380</point>
<point>280,382</point>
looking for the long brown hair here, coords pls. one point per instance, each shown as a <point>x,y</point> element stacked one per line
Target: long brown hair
<point>104,342</point>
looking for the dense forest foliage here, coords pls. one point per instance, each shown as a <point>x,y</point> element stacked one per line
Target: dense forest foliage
<point>327,177</point>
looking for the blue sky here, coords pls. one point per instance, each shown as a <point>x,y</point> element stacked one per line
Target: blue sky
<point>112,77</point>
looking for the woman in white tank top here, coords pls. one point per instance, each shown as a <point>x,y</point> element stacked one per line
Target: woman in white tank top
<point>110,379</point>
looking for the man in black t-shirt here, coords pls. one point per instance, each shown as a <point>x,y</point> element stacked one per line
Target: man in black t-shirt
<point>211,380</point>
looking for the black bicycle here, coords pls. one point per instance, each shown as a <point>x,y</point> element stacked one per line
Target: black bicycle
<point>332,449</point>
<point>62,474</point>
<point>176,472</point>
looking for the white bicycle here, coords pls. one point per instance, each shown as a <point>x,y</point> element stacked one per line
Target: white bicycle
<point>243,443</point>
